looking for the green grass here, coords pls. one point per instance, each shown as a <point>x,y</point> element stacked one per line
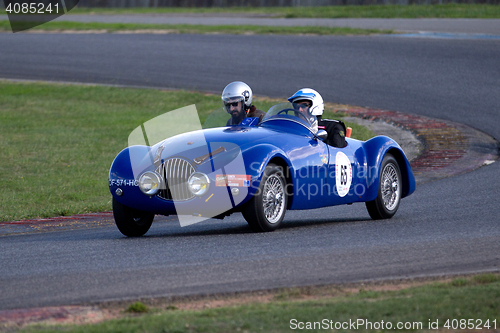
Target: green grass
<point>57,142</point>
<point>432,302</point>
<point>137,307</point>
<point>196,29</point>
<point>374,11</point>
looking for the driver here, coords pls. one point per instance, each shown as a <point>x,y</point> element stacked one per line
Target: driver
<point>237,98</point>
<point>310,103</point>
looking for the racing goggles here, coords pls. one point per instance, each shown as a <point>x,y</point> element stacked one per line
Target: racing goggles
<point>302,105</point>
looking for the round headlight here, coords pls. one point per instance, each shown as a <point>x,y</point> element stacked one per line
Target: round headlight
<point>150,183</point>
<point>198,183</point>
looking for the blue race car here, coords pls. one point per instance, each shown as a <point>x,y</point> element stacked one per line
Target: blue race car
<point>258,169</point>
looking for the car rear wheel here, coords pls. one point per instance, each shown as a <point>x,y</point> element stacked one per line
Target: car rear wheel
<point>131,222</point>
<point>266,210</point>
<point>389,190</point>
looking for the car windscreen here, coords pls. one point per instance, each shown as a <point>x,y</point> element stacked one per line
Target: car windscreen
<point>217,118</point>
<point>288,111</point>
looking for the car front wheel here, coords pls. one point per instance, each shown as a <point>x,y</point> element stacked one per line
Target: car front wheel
<point>389,190</point>
<point>131,222</point>
<point>266,210</point>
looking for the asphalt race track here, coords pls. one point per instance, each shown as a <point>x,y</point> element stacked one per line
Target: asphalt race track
<point>447,226</point>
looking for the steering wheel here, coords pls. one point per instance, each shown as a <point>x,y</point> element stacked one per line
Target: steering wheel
<point>296,113</point>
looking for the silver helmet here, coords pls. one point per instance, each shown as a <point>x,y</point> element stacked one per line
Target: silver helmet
<point>236,91</point>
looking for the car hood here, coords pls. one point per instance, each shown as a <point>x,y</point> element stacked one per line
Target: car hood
<point>222,141</point>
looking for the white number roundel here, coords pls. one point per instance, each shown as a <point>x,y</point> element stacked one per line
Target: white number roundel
<point>343,174</point>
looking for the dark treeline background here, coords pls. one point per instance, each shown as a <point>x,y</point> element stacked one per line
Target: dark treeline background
<point>262,3</point>
<point>258,3</point>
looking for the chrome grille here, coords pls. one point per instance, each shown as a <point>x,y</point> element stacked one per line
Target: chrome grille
<point>176,172</point>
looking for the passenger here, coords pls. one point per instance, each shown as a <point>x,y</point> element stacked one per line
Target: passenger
<point>237,98</point>
<point>310,103</point>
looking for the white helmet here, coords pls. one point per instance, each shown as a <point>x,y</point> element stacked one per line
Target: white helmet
<point>311,95</point>
<point>239,90</point>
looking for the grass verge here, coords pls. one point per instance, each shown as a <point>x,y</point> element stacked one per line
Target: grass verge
<point>375,11</point>
<point>57,142</point>
<point>194,29</point>
<point>464,304</point>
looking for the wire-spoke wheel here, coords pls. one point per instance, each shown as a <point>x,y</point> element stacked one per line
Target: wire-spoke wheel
<point>389,192</point>
<point>273,198</point>
<point>266,210</point>
<point>390,187</point>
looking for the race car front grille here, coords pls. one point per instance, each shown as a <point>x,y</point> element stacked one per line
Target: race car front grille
<point>176,172</point>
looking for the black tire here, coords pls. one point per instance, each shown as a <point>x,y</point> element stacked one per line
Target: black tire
<point>389,190</point>
<point>131,222</point>
<point>266,210</point>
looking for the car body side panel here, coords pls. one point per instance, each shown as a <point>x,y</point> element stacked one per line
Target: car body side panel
<point>355,153</point>
<point>304,155</point>
<point>307,158</point>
